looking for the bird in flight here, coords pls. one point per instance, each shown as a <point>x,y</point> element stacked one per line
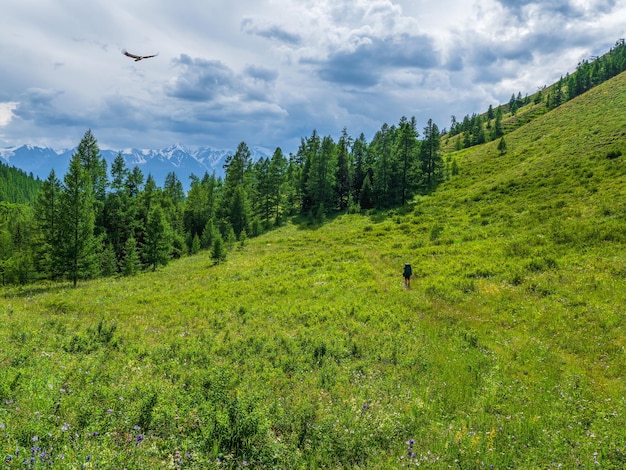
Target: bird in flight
<point>138,57</point>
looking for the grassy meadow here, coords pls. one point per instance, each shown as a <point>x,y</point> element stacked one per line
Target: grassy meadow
<point>304,350</point>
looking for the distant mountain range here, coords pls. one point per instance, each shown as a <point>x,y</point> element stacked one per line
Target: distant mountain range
<point>178,159</point>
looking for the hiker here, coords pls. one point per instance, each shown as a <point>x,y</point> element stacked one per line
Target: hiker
<point>408,272</point>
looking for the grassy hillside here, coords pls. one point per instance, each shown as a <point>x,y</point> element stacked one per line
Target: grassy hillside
<point>304,350</point>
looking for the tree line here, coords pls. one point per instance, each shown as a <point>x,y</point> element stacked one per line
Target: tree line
<point>16,186</point>
<point>481,128</point>
<point>100,221</point>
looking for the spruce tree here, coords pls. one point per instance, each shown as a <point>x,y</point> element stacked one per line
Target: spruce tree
<point>502,146</point>
<point>218,250</point>
<point>131,264</point>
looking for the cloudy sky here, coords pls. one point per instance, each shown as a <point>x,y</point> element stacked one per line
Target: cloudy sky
<point>268,72</point>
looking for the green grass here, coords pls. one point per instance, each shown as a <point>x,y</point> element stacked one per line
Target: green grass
<point>303,350</point>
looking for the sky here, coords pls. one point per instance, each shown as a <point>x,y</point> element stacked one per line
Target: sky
<point>269,72</point>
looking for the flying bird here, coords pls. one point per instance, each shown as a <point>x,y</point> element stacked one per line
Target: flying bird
<point>138,57</point>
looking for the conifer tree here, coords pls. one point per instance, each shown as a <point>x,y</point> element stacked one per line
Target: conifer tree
<point>77,242</point>
<point>239,214</point>
<point>131,264</point>
<point>108,261</point>
<point>359,150</point>
<point>218,250</point>
<point>158,244</point>
<point>366,195</point>
<point>342,175</point>
<point>277,170</point>
<point>381,148</point>
<point>47,215</point>
<point>406,153</point>
<point>209,234</point>
<point>88,152</point>
<point>195,245</point>
<point>430,156</point>
<point>502,146</point>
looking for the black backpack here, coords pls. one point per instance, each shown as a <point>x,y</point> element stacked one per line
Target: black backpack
<point>407,270</point>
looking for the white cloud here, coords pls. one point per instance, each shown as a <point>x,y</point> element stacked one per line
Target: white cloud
<point>6,112</point>
<point>270,71</point>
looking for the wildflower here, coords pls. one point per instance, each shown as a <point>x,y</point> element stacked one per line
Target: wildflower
<point>138,439</point>
<point>8,458</point>
<point>35,438</point>
<point>2,426</point>
<point>65,427</point>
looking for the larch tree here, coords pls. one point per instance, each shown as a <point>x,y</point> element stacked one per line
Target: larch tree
<point>431,162</point>
<point>77,242</point>
<point>47,214</point>
<point>158,243</point>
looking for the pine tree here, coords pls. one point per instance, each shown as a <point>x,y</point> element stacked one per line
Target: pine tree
<point>381,149</point>
<point>406,153</point>
<point>321,177</point>
<point>208,235</point>
<point>342,174</point>
<point>47,215</point>
<point>131,264</point>
<point>195,245</point>
<point>108,261</point>
<point>359,150</point>
<point>158,243</point>
<point>218,250</point>
<point>239,214</point>
<point>366,199</point>
<point>95,166</point>
<point>430,156</point>
<point>277,170</point>
<point>497,130</point>
<point>77,242</point>
<point>502,146</point>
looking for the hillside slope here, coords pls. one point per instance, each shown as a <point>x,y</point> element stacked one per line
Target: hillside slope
<point>303,349</point>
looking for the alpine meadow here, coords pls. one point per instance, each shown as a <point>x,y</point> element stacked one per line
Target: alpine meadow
<point>263,336</point>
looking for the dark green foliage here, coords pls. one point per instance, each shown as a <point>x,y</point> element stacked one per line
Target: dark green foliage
<point>131,263</point>
<point>16,186</point>
<point>218,250</point>
<point>76,243</point>
<point>502,146</point>
<point>158,243</point>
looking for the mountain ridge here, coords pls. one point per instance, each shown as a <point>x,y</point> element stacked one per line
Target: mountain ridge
<point>177,158</point>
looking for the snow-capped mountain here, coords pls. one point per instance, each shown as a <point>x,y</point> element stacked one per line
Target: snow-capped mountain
<point>181,160</point>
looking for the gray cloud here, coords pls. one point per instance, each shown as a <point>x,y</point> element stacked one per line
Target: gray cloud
<point>369,61</point>
<point>271,72</point>
<point>201,79</point>
<point>272,32</point>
